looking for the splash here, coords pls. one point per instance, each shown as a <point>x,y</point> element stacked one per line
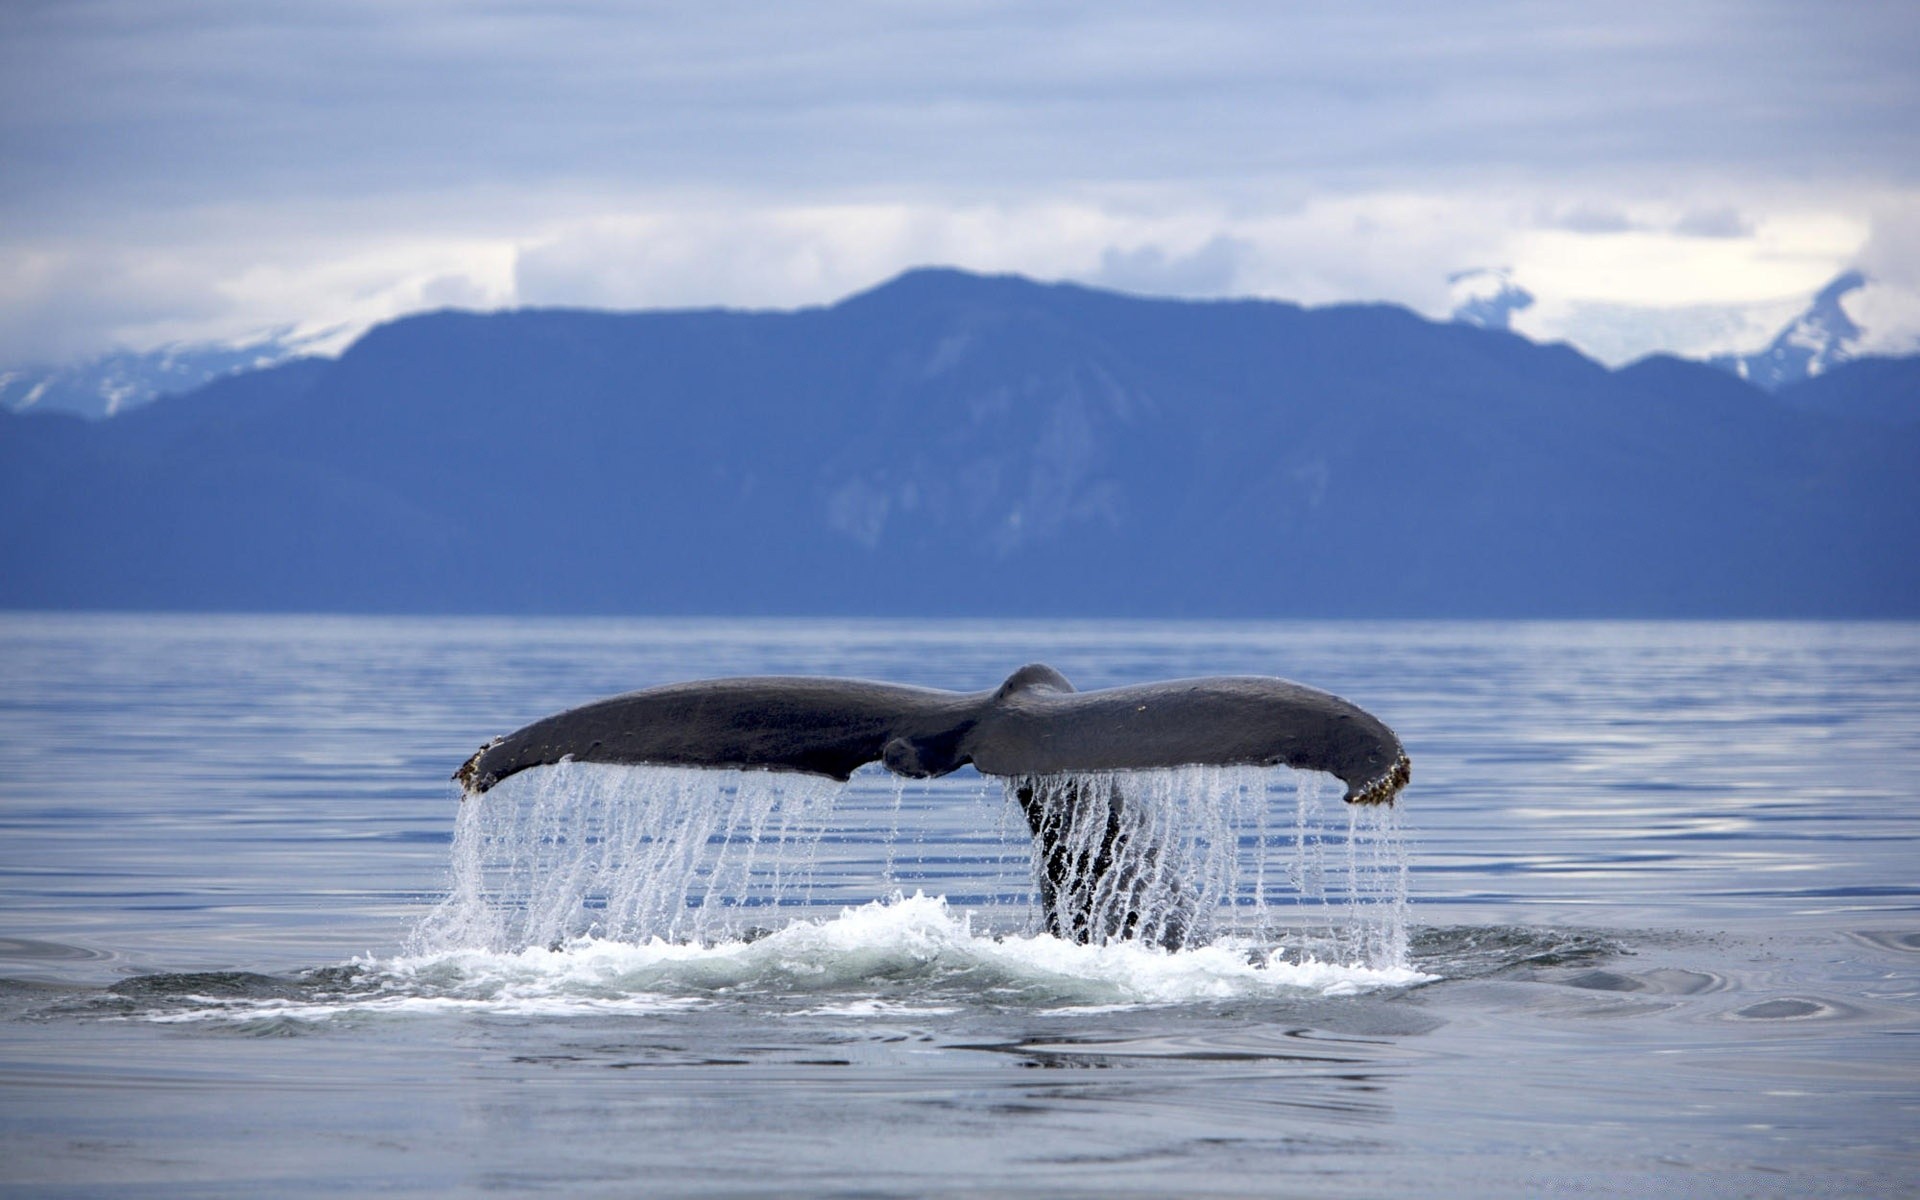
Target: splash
<point>1184,855</point>
<point>905,957</point>
<point>1189,857</point>
<point>621,853</point>
<point>1149,856</point>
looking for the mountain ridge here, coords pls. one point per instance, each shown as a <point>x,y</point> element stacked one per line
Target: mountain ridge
<point>125,381</point>
<point>1851,318</point>
<point>952,443</point>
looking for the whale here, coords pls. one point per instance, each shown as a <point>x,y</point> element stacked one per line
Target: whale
<point>1054,746</point>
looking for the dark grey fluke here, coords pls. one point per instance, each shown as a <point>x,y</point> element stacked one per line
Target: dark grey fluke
<point>1033,724</point>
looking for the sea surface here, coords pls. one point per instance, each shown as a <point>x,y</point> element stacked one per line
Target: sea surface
<point>1647,919</point>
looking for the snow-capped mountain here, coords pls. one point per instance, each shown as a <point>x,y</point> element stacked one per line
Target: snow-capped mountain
<point>1855,316</point>
<point>114,383</point>
<point>1487,297</point>
<point>960,444</point>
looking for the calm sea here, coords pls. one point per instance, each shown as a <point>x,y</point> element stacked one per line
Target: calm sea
<point>1663,930</point>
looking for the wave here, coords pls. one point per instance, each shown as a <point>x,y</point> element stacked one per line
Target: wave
<point>900,956</point>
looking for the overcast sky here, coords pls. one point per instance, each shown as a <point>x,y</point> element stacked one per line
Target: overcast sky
<point>1673,174</point>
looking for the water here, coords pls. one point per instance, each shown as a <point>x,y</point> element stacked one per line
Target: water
<point>1661,926</point>
<point>1173,857</point>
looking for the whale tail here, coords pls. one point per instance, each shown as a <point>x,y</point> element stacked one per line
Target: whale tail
<point>1100,875</point>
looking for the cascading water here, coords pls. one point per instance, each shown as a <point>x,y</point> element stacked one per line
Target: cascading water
<point>1185,855</point>
<point>627,854</point>
<point>1175,856</point>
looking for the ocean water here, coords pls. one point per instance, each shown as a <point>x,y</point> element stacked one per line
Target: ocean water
<point>1660,927</point>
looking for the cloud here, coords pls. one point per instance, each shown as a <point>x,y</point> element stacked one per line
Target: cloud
<point>70,302</point>
<point>457,291</point>
<point>1662,288</point>
<point>1212,269</point>
<point>715,254</point>
<point>61,301</point>
<point>717,250</point>
<point>178,168</point>
<point>1892,251</point>
<point>1615,333</point>
<point>1596,217</point>
<point>196,102</point>
<point>1170,245</point>
<point>1791,253</point>
<point>1590,218</point>
<point>1713,223</point>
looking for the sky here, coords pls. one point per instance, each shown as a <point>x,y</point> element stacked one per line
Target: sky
<point>1661,176</point>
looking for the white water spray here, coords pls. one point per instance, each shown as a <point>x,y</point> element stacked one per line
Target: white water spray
<point>1186,855</point>
<point>628,853</point>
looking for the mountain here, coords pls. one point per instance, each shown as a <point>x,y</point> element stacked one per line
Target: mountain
<point>125,380</point>
<point>957,444</point>
<point>1487,297</point>
<point>1878,391</point>
<point>1852,317</point>
<point>1817,339</point>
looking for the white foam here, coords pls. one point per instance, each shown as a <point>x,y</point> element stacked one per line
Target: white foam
<point>245,1011</point>
<point>853,965</point>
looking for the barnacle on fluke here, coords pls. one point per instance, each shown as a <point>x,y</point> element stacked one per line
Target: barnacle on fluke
<point>1386,787</point>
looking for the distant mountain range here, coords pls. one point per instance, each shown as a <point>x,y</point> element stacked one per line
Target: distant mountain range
<point>1816,341</point>
<point>125,380</point>
<point>1822,336</point>
<point>1832,329</point>
<point>956,444</point>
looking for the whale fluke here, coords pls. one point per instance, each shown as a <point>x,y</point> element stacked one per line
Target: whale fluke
<point>826,727</point>
<point>1034,726</point>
